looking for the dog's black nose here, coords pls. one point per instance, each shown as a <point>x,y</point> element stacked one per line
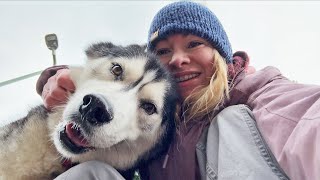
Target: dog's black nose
<point>95,110</point>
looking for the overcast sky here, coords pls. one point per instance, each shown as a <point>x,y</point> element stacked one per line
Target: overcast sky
<point>282,34</point>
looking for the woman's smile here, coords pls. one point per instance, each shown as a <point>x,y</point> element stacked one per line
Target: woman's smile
<point>187,77</point>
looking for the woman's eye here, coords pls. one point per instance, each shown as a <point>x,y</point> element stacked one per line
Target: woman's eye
<point>162,52</point>
<point>116,70</point>
<point>194,44</point>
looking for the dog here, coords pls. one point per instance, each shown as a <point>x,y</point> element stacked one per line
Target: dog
<point>122,113</point>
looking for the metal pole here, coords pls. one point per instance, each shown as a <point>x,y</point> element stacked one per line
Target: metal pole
<point>19,78</point>
<point>54,57</point>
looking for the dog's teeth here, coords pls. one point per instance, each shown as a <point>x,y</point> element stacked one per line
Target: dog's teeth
<point>76,127</point>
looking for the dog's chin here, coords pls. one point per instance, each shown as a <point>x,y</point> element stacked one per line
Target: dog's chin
<point>73,140</point>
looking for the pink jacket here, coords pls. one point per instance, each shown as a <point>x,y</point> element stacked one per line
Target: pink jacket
<point>288,116</point>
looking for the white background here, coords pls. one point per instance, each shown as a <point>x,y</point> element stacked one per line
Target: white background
<point>283,34</point>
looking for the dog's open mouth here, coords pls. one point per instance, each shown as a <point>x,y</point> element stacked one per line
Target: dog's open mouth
<point>73,139</point>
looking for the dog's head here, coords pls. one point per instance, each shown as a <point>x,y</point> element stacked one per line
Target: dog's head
<point>123,108</point>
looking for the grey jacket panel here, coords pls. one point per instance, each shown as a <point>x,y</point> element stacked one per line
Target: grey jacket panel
<point>232,148</point>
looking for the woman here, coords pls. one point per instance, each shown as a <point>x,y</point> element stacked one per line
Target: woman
<point>215,139</point>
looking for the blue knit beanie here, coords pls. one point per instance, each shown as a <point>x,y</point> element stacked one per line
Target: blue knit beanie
<point>189,17</point>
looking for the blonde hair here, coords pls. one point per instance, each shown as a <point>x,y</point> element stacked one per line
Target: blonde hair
<point>204,100</point>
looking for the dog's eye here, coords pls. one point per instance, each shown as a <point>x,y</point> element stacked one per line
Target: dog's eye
<point>149,108</point>
<point>116,70</point>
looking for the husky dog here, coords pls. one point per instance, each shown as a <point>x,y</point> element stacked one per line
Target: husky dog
<point>121,113</point>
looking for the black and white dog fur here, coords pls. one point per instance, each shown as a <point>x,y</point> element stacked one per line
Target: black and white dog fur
<point>121,113</point>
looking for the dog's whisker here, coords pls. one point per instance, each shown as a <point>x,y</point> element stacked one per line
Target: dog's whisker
<point>116,150</point>
<point>129,146</point>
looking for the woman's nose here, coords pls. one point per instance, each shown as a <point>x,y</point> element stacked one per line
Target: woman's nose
<point>178,59</point>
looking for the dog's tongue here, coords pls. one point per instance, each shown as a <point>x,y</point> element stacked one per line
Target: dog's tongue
<point>75,136</point>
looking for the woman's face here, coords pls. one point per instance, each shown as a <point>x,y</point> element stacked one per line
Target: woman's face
<point>189,58</point>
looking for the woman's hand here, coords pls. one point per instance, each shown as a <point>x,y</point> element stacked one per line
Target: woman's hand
<point>57,89</point>
<point>250,70</point>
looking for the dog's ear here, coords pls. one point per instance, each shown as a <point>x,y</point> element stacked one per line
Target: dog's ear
<point>144,47</point>
<point>107,49</point>
<point>99,50</point>
<point>136,48</point>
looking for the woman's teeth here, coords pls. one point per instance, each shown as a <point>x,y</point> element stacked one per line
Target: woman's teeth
<point>186,77</point>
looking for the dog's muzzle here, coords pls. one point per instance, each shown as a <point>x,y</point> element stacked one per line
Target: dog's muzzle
<point>96,110</point>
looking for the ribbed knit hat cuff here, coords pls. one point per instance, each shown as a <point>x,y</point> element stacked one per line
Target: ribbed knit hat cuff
<point>189,18</point>
<point>167,31</point>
